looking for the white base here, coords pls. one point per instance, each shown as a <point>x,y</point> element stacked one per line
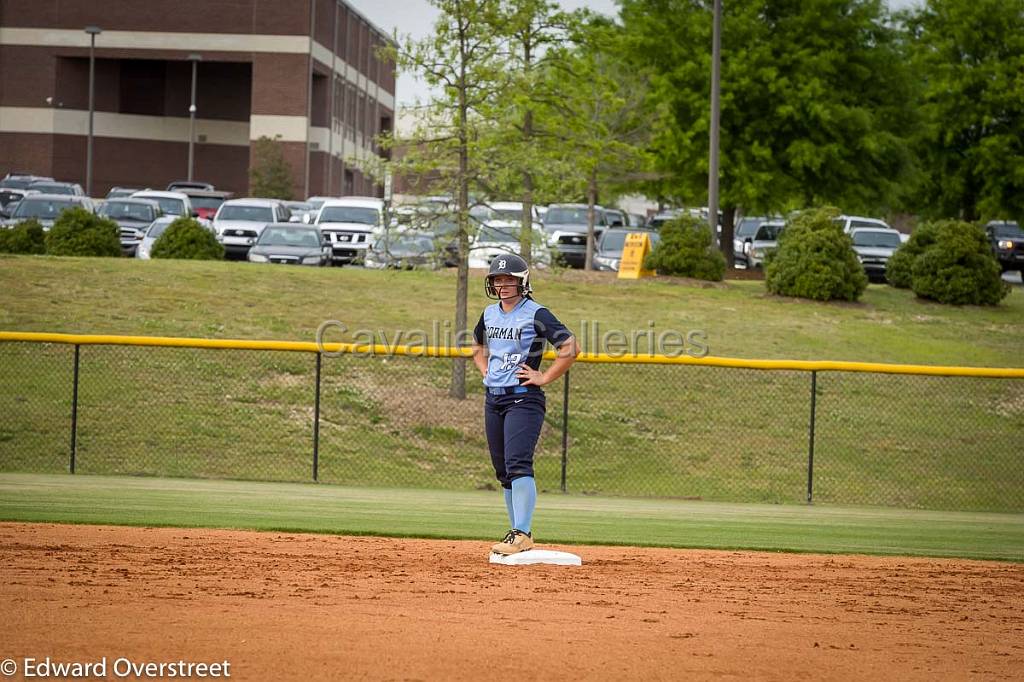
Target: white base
<point>537,556</point>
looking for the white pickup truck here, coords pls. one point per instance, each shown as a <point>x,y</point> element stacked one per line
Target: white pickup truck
<point>351,224</point>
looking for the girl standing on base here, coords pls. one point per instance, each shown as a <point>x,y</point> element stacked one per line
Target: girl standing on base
<point>509,342</point>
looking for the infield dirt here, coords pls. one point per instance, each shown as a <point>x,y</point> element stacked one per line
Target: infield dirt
<point>299,607</point>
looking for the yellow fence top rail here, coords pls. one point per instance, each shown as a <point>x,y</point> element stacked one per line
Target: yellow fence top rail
<point>435,351</point>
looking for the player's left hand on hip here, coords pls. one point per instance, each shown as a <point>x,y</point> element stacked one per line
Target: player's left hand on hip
<point>532,376</point>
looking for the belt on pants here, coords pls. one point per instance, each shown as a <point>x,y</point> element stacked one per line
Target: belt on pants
<point>506,390</point>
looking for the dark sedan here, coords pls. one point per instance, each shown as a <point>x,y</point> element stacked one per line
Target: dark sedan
<point>290,244</point>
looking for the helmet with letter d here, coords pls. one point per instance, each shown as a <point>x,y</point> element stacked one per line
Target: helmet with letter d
<point>508,264</point>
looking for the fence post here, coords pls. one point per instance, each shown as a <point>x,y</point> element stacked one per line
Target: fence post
<point>810,444</point>
<point>316,422</point>
<point>565,426</point>
<point>74,413</point>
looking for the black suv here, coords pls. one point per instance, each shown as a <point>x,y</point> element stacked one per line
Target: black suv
<point>1007,240</point>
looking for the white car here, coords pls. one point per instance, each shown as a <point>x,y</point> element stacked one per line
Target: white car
<point>501,237</point>
<point>240,222</point>
<point>176,204</point>
<point>765,239</point>
<point>144,250</point>
<point>351,224</point>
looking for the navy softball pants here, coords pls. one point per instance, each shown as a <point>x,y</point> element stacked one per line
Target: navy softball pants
<point>513,424</point>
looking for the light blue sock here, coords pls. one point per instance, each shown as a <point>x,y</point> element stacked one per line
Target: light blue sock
<point>508,506</point>
<point>524,499</point>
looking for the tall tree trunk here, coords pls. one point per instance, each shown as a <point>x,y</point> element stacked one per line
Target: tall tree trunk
<point>728,230</point>
<point>457,389</point>
<point>591,219</point>
<point>526,233</point>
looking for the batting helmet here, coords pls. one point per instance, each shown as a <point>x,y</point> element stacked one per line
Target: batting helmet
<point>509,264</point>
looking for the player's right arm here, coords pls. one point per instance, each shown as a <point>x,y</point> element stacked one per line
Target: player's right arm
<point>479,349</point>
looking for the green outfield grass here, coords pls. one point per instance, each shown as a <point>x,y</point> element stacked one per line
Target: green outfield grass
<point>560,519</point>
<point>686,432</point>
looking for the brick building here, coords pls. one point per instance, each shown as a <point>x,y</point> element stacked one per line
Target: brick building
<point>305,70</point>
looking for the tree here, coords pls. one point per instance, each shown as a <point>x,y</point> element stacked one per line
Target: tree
<point>814,105</point>
<point>269,174</point>
<point>969,55</point>
<point>463,59</point>
<point>603,120</point>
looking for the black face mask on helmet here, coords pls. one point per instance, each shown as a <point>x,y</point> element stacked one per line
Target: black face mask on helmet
<point>510,264</point>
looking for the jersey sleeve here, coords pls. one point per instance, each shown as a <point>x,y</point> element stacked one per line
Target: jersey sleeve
<point>478,331</point>
<point>549,327</point>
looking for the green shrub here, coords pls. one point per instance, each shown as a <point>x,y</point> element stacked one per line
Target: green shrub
<point>25,237</point>
<point>186,238</point>
<point>898,269</point>
<point>77,232</point>
<point>686,249</point>
<point>815,259</point>
<point>958,267</point>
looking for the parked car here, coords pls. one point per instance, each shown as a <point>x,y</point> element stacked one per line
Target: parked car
<point>848,222</point>
<point>616,218</point>
<point>658,219</point>
<point>179,185</point>
<point>1007,239</point>
<point>609,249</point>
<point>874,247</point>
<point>46,207</point>
<point>122,192</point>
<point>566,228</point>
<point>206,202</point>
<point>317,202</point>
<point>765,239</point>
<point>351,224</point>
<point>149,237</point>
<point>404,250</point>
<point>496,238</point>
<point>54,187</point>
<point>509,211</point>
<point>240,222</point>
<point>291,244</point>
<point>18,180</point>
<point>302,211</point>
<point>744,233</point>
<point>9,199</point>
<point>171,203</point>
<point>133,218</point>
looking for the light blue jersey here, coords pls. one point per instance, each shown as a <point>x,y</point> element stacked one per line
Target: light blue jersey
<point>516,337</point>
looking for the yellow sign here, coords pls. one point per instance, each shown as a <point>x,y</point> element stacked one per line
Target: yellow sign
<point>638,245</point>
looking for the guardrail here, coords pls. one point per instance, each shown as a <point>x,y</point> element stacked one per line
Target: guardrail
<point>710,428</point>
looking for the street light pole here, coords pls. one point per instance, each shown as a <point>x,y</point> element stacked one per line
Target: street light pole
<point>195,59</point>
<point>93,31</point>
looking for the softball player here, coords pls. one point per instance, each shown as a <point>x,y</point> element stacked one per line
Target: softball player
<point>508,344</point>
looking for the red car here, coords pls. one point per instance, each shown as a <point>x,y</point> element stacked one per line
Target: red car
<point>206,202</point>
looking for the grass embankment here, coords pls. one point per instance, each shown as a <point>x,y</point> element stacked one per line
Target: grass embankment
<point>708,433</point>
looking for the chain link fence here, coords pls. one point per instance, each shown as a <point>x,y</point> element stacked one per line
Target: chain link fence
<point>683,431</point>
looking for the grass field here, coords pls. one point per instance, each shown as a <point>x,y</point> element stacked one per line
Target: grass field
<point>685,432</point>
<point>480,515</point>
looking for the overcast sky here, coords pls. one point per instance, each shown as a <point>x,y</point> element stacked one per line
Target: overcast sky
<point>416,17</point>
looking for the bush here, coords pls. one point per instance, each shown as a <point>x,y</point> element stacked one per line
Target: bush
<point>958,267</point>
<point>815,259</point>
<point>898,269</point>
<point>25,237</point>
<point>686,249</point>
<point>77,232</point>
<point>186,238</point>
